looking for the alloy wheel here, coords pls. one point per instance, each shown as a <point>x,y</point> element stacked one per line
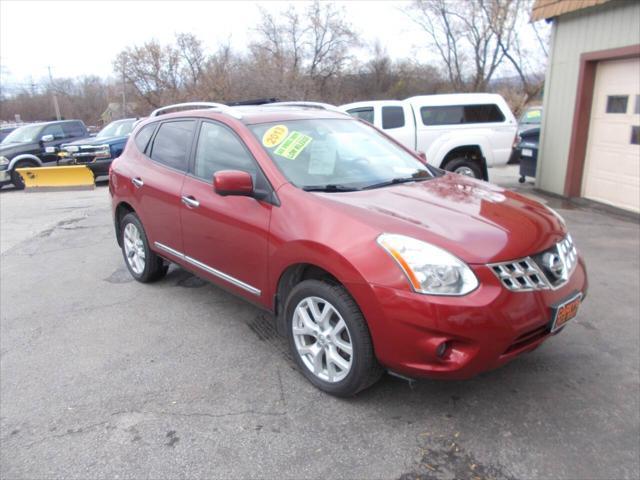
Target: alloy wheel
<point>322,339</point>
<point>466,171</point>
<point>134,248</point>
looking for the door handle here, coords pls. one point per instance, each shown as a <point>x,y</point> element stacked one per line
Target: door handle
<point>189,201</point>
<point>137,181</point>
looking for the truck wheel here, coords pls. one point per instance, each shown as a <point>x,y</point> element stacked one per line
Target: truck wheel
<point>143,264</point>
<point>329,338</point>
<point>16,178</point>
<point>464,166</point>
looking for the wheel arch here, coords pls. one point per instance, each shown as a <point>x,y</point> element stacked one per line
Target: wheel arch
<point>122,209</point>
<point>334,269</point>
<point>472,151</point>
<point>24,156</point>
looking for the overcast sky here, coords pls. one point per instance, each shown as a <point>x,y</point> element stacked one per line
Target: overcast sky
<point>83,37</point>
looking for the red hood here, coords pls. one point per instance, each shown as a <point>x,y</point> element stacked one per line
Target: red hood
<point>477,221</point>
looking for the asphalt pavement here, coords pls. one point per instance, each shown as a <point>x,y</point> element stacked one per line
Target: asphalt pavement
<point>103,377</point>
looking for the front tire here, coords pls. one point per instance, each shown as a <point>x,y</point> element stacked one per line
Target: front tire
<point>329,338</point>
<point>16,178</point>
<point>143,264</point>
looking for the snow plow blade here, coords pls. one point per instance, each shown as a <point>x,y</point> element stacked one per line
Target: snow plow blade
<point>72,177</point>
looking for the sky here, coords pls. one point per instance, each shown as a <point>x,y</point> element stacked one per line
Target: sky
<point>77,38</point>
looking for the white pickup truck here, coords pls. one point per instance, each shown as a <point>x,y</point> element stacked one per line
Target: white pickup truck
<point>463,133</point>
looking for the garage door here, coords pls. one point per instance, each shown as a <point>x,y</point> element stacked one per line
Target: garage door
<point>612,168</point>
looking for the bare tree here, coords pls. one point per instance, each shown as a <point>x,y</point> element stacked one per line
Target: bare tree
<point>464,39</point>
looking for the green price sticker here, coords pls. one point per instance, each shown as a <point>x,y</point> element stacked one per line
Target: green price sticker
<point>293,145</point>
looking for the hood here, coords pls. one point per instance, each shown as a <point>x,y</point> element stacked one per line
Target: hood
<point>98,141</point>
<point>476,221</point>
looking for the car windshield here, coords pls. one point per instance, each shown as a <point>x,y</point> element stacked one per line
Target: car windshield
<point>119,128</point>
<point>26,134</point>
<point>337,155</point>
<point>533,116</point>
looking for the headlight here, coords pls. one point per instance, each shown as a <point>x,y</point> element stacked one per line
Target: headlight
<point>4,161</point>
<point>103,151</point>
<point>429,269</point>
<point>71,148</point>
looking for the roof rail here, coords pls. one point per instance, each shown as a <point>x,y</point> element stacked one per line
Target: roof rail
<point>217,106</point>
<point>319,105</point>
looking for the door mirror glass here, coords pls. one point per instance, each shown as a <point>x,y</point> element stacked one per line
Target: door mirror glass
<point>47,138</point>
<point>232,182</point>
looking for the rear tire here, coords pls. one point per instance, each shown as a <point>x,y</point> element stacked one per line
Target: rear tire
<point>16,178</point>
<point>143,264</point>
<point>338,347</point>
<point>464,166</point>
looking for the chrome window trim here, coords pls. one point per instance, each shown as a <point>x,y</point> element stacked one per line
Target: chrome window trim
<point>208,269</point>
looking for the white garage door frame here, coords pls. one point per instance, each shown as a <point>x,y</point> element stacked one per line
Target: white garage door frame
<point>582,113</point>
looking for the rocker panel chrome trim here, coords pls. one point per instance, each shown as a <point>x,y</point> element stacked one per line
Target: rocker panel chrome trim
<point>208,269</point>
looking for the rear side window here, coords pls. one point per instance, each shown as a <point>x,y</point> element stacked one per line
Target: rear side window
<point>143,137</point>
<point>219,149</point>
<point>172,143</point>
<point>74,129</point>
<point>461,114</point>
<point>365,113</point>
<point>392,117</point>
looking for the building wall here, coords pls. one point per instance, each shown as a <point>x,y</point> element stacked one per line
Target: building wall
<point>612,25</point>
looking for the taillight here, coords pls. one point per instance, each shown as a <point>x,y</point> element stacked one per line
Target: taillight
<point>516,140</point>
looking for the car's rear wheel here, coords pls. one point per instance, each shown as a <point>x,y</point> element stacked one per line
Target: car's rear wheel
<point>465,166</point>
<point>329,338</point>
<point>143,264</point>
<point>16,178</point>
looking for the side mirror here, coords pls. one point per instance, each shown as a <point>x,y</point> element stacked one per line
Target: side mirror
<point>233,182</point>
<point>47,138</point>
<point>423,156</point>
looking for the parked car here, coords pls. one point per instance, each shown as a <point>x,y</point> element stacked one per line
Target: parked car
<point>530,118</point>
<point>527,152</point>
<point>34,145</point>
<point>464,133</point>
<point>369,258</point>
<point>98,152</point>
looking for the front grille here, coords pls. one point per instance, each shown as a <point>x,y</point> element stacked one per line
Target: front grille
<point>550,269</point>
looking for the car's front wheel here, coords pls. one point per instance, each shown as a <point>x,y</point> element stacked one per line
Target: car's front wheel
<point>143,264</point>
<point>329,338</point>
<point>16,178</point>
<point>465,166</point>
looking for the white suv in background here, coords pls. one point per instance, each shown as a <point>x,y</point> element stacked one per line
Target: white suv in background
<point>463,133</point>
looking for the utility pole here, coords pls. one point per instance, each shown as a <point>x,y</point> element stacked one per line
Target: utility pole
<point>53,92</point>
<point>124,94</point>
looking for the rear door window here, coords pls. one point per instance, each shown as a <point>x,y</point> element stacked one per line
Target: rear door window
<point>363,113</point>
<point>172,144</point>
<point>392,117</point>
<point>461,114</point>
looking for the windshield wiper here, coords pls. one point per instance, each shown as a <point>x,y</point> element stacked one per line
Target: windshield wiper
<point>329,188</point>
<point>395,181</point>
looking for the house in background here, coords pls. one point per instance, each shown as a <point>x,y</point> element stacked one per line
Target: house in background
<point>590,137</point>
<point>114,112</point>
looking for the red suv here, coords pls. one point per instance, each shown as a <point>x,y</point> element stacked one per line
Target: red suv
<point>369,258</point>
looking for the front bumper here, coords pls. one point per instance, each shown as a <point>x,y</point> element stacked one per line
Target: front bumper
<point>485,329</point>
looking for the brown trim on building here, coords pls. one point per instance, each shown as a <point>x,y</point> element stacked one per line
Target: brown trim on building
<point>582,112</point>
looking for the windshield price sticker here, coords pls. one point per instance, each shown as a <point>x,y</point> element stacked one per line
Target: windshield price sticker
<point>293,145</point>
<point>274,135</point>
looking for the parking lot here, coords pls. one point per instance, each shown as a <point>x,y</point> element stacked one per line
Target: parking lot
<point>103,377</point>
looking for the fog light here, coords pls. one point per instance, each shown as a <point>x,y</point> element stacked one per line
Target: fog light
<point>442,349</point>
